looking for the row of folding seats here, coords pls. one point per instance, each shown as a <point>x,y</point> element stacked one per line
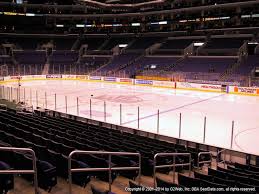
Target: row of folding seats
<point>247,168</point>
<point>212,181</point>
<point>57,148</point>
<point>133,142</point>
<point>232,178</point>
<point>136,148</point>
<point>47,175</point>
<point>116,140</point>
<point>49,163</point>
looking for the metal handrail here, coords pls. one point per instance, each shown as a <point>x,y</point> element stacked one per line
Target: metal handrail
<point>29,109</point>
<point>109,169</point>
<point>3,107</point>
<point>224,160</point>
<point>33,171</point>
<point>171,165</point>
<point>206,161</point>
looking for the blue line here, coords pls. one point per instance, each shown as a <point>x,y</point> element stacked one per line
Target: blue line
<point>173,109</point>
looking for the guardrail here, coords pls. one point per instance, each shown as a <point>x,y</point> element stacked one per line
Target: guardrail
<point>224,159</point>
<point>109,169</point>
<point>33,171</point>
<point>23,109</point>
<point>171,165</point>
<point>206,161</point>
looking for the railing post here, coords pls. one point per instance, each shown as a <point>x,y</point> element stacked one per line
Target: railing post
<point>174,169</point>
<point>70,173</point>
<point>190,164</point>
<point>139,172</point>
<point>158,115</point>
<point>180,125</point>
<point>110,173</point>
<point>66,103</point>
<point>138,117</point>
<point>90,108</point>
<point>204,129</point>
<point>37,103</point>
<point>232,134</point>
<point>77,106</point>
<point>35,171</point>
<point>17,98</point>
<point>2,92</point>
<point>19,92</point>
<point>11,93</point>
<point>24,95</point>
<point>104,110</point>
<point>154,172</point>
<point>8,96</point>
<point>30,97</point>
<point>120,114</point>
<point>55,103</point>
<point>46,100</point>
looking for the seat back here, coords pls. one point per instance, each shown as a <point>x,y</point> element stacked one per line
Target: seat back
<point>98,191</point>
<point>188,181</point>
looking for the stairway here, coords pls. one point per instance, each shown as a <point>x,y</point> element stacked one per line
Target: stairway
<point>123,66</point>
<point>232,69</point>
<point>94,72</point>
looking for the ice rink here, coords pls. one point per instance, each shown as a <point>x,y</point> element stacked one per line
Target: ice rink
<point>219,109</point>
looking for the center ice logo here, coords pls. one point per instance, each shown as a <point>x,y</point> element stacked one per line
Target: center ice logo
<point>119,99</point>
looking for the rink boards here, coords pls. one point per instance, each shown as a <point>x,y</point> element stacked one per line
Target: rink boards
<point>232,89</point>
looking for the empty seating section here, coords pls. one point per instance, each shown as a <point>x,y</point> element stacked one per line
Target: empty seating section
<point>220,43</point>
<point>248,65</point>
<point>63,43</point>
<point>54,138</point>
<point>153,63</point>
<point>237,176</point>
<point>119,61</point>
<point>176,44</point>
<point>173,47</point>
<point>222,46</point>
<point>205,64</point>
<point>63,61</point>
<point>5,60</point>
<point>93,43</point>
<point>30,57</point>
<point>218,56</point>
<point>94,61</point>
<point>23,43</point>
<point>35,43</point>
<point>112,42</point>
<point>63,57</point>
<point>143,43</point>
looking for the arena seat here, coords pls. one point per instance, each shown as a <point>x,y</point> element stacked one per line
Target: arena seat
<point>186,181</point>
<point>230,183</point>
<point>247,167</point>
<point>164,184</point>
<point>97,191</point>
<point>54,137</point>
<point>6,181</point>
<point>202,176</point>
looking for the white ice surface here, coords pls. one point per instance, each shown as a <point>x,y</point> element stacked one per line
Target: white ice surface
<point>219,109</point>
